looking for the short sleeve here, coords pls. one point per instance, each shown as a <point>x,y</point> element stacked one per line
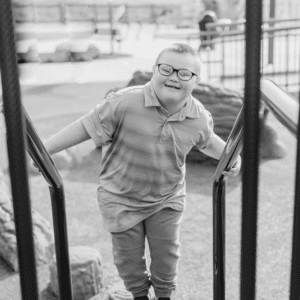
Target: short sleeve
<point>207,134</point>
<point>101,122</point>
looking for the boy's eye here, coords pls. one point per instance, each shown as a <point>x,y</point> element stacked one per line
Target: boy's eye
<point>167,69</point>
<point>185,73</point>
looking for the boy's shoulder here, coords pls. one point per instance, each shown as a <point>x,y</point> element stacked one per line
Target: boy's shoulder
<point>199,109</point>
<point>197,104</point>
<point>126,93</point>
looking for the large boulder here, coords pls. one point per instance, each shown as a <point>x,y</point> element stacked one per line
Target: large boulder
<point>86,273</point>
<point>42,232</point>
<point>224,105</point>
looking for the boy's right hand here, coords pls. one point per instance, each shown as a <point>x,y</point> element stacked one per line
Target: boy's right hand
<point>33,166</point>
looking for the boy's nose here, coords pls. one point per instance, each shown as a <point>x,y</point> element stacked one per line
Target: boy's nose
<point>174,76</point>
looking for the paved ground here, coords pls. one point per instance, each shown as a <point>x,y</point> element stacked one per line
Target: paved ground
<point>137,52</point>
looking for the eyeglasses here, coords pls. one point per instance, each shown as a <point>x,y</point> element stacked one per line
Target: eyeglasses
<point>183,74</point>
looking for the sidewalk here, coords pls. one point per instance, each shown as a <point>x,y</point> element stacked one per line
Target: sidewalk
<point>137,51</point>
<point>141,57</point>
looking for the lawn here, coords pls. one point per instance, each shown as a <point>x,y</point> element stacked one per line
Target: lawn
<point>276,190</point>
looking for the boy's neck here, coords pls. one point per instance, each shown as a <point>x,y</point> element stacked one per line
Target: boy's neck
<point>173,109</point>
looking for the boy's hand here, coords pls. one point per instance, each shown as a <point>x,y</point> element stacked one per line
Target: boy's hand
<point>235,169</point>
<point>33,166</point>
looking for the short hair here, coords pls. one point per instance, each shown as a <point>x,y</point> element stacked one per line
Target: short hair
<point>182,49</point>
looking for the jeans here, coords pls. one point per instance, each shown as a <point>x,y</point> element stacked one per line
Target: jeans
<point>162,233</point>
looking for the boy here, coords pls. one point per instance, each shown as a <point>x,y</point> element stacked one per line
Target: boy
<point>145,133</point>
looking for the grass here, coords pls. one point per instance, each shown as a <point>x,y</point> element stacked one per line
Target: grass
<point>276,190</point>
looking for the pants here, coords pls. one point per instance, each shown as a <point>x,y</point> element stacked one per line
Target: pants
<point>162,233</point>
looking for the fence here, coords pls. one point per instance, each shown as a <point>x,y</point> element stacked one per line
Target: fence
<point>98,13</point>
<point>223,53</point>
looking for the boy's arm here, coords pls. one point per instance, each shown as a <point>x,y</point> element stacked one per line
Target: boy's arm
<point>73,134</point>
<point>215,150</point>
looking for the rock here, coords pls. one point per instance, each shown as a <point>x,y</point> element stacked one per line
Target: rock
<point>95,52</point>
<point>27,47</point>
<point>86,273</point>
<point>32,55</point>
<point>224,105</point>
<point>91,53</point>
<point>62,54</point>
<point>42,232</point>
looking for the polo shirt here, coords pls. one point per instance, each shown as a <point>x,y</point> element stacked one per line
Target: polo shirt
<point>143,153</point>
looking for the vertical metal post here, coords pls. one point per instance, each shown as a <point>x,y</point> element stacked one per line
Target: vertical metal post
<point>223,59</point>
<point>111,21</point>
<point>287,58</point>
<point>251,151</point>
<point>219,191</point>
<point>35,14</point>
<point>61,243</point>
<point>16,153</point>
<point>63,13</point>
<point>271,34</point>
<point>295,265</point>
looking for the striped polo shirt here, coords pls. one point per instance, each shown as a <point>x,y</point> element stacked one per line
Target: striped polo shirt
<point>143,153</point>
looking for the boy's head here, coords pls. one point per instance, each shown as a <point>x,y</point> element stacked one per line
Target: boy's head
<point>176,73</point>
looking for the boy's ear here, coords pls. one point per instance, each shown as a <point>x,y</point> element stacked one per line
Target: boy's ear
<point>197,80</point>
<point>153,69</point>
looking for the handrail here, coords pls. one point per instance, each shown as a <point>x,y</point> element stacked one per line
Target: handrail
<point>282,105</point>
<point>230,153</point>
<point>16,119</point>
<point>40,156</point>
<point>286,109</point>
<point>233,147</point>
<point>43,160</point>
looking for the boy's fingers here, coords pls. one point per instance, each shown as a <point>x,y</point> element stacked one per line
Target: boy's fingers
<point>231,173</point>
<point>34,167</point>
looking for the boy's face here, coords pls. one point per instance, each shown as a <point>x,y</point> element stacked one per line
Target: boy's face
<point>170,89</point>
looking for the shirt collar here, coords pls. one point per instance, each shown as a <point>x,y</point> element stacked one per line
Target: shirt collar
<point>190,109</point>
<point>150,96</point>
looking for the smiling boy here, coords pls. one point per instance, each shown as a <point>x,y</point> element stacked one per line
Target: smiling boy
<point>146,133</point>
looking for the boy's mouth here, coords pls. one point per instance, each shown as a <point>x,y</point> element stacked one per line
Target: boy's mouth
<point>172,86</point>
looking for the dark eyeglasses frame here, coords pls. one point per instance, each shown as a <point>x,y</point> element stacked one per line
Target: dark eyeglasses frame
<point>177,70</point>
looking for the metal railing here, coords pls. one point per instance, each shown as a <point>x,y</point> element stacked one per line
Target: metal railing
<point>18,139</point>
<point>286,109</point>
<point>231,152</point>
<point>250,169</point>
<point>245,131</point>
<point>96,12</point>
<point>223,53</point>
<point>255,89</point>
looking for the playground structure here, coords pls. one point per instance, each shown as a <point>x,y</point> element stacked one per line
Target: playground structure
<point>248,129</point>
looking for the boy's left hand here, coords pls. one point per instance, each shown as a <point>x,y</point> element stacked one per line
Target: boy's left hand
<point>235,169</point>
